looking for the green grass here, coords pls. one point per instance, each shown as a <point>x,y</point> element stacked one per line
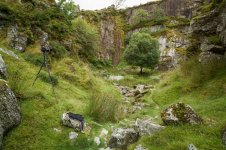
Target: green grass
<point>41,110</point>
<point>208,98</point>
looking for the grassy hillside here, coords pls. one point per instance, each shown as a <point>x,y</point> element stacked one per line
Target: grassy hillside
<point>41,109</point>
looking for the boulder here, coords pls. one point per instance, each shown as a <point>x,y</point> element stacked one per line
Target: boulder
<point>8,52</point>
<point>180,113</point>
<point>16,40</point>
<point>122,137</point>
<point>74,121</point>
<point>97,140</point>
<point>147,127</point>
<point>9,108</point>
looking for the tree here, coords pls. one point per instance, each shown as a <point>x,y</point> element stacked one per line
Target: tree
<point>139,16</point>
<point>142,51</point>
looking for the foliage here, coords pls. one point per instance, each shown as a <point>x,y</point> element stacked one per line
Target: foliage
<point>48,79</point>
<point>140,15</point>
<point>214,40</point>
<point>86,36</point>
<point>68,7</point>
<point>57,49</point>
<point>142,51</point>
<point>159,16</point>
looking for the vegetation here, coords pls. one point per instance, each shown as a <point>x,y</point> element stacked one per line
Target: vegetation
<point>140,15</point>
<point>142,51</point>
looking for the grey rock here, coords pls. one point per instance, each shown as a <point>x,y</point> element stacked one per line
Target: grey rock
<point>3,71</point>
<point>97,140</point>
<point>71,122</point>
<point>9,108</point>
<point>180,113</point>
<point>122,137</point>
<point>191,147</point>
<point>9,52</point>
<point>73,135</point>
<point>16,40</point>
<point>147,127</point>
<point>116,78</point>
<point>140,147</point>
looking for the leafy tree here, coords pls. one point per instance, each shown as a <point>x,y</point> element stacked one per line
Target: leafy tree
<point>139,16</point>
<point>142,51</point>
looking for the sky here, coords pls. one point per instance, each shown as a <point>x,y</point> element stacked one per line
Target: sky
<point>99,4</point>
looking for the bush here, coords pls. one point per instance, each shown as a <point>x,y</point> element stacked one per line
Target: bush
<point>86,37</point>
<point>159,16</point>
<point>104,106</point>
<point>139,16</point>
<point>142,51</point>
<point>58,50</point>
<point>34,59</point>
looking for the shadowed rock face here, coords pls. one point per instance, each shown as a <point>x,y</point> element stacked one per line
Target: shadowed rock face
<point>10,111</point>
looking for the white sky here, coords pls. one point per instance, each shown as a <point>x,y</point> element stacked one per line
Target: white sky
<point>99,4</point>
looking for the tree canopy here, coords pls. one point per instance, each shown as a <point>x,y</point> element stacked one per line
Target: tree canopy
<point>142,51</point>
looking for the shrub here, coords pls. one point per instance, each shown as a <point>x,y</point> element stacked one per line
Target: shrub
<point>142,51</point>
<point>140,15</point>
<point>159,16</point>
<point>86,37</point>
<point>58,50</point>
<point>104,106</point>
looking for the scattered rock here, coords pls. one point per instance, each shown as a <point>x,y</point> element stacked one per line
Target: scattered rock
<point>73,135</point>
<point>180,113</point>
<point>147,127</point>
<point>191,147</point>
<point>74,121</point>
<point>57,130</point>
<point>122,137</point>
<point>108,148</point>
<point>9,108</point>
<point>116,78</point>
<point>104,133</point>
<point>140,147</point>
<point>97,141</point>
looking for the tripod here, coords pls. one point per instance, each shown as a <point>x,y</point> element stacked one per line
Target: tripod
<point>46,65</point>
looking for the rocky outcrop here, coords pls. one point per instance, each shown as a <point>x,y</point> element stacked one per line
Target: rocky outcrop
<point>16,39</point>
<point>178,8</point>
<point>110,39</point>
<point>180,113</point>
<point>224,137</point>
<point>191,147</point>
<point>122,137</point>
<point>9,108</point>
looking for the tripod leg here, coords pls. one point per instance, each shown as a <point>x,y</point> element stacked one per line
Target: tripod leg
<point>38,74</point>
<point>51,80</point>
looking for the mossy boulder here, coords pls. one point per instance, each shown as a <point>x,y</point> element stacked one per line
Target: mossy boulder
<point>224,136</point>
<point>180,113</point>
<point>9,110</point>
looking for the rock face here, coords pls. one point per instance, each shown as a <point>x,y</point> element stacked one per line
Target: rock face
<point>191,147</point>
<point>147,127</point>
<point>9,108</point>
<point>180,113</point>
<point>16,40</point>
<point>110,39</point>
<point>74,121</point>
<point>121,138</point>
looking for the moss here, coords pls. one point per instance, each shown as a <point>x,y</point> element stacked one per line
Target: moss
<point>181,51</point>
<point>214,40</point>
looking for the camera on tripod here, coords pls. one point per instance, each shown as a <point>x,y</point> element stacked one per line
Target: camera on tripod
<point>45,48</point>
